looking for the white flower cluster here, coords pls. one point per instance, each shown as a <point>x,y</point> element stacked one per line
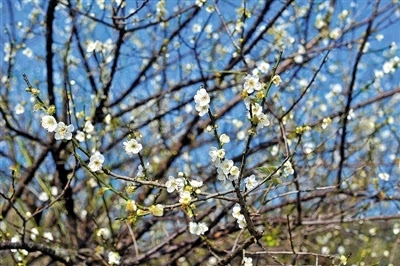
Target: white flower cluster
<point>104,233</point>
<point>247,261</point>
<point>197,228</point>
<point>98,46</point>
<point>391,65</point>
<point>287,168</point>
<point>65,132</point>
<point>185,197</point>
<point>173,184</point>
<point>251,182</point>
<point>140,172</point>
<point>96,162</point>
<point>157,210</point>
<point>238,216</point>
<point>202,100</point>
<point>225,167</point>
<point>258,116</point>
<point>61,129</point>
<point>132,147</point>
<point>114,258</point>
<point>85,134</point>
<point>384,176</point>
<point>130,206</point>
<point>252,83</point>
<point>200,3</point>
<point>179,185</point>
<point>224,139</point>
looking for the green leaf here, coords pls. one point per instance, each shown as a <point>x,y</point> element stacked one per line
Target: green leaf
<point>277,181</point>
<point>267,170</point>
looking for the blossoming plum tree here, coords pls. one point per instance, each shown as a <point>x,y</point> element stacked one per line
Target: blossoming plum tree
<point>200,132</point>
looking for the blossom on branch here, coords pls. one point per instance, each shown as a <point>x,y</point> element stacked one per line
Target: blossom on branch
<point>157,210</point>
<point>63,131</point>
<point>197,228</point>
<point>49,123</point>
<point>96,162</point>
<point>132,146</point>
<point>175,184</point>
<point>252,83</point>
<point>202,100</point>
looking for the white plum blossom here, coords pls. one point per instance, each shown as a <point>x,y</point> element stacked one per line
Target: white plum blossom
<point>140,173</point>
<point>185,197</point>
<point>262,120</point>
<point>384,176</point>
<point>91,46</point>
<point>202,109</point>
<point>34,233</point>
<point>196,183</point>
<point>104,233</point>
<point>132,147</point>
<point>196,28</point>
<point>48,236</point>
<point>130,206</point>
<point>247,261</point>
<point>49,123</point>
<point>379,37</point>
<point>175,184</point>
<point>200,3</point>
<point>63,131</point>
<point>287,168</point>
<point>101,3</point>
<point>252,83</point>
<point>308,147</point>
<point>263,67</point>
<point>88,128</point>
<point>351,114</point>
<point>54,191</point>
<point>241,222</point>
<point>391,65</point>
<point>220,175</point>
<point>216,154</point>
<point>378,74</point>
<point>236,211</point>
<point>388,67</point>
<point>335,33</point>
<point>224,139</point>
<point>19,109</point>
<point>221,153</point>
<point>80,136</point>
<point>202,100</point>
<point>114,258</point>
<point>319,21</point>
<point>238,216</point>
<point>276,80</point>
<point>234,173</point>
<point>251,182</point>
<point>157,210</point>
<point>27,52</point>
<point>15,239</point>
<point>43,196</point>
<point>396,229</point>
<point>226,166</point>
<point>197,228</point>
<point>343,14</point>
<point>257,115</point>
<point>96,162</point>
